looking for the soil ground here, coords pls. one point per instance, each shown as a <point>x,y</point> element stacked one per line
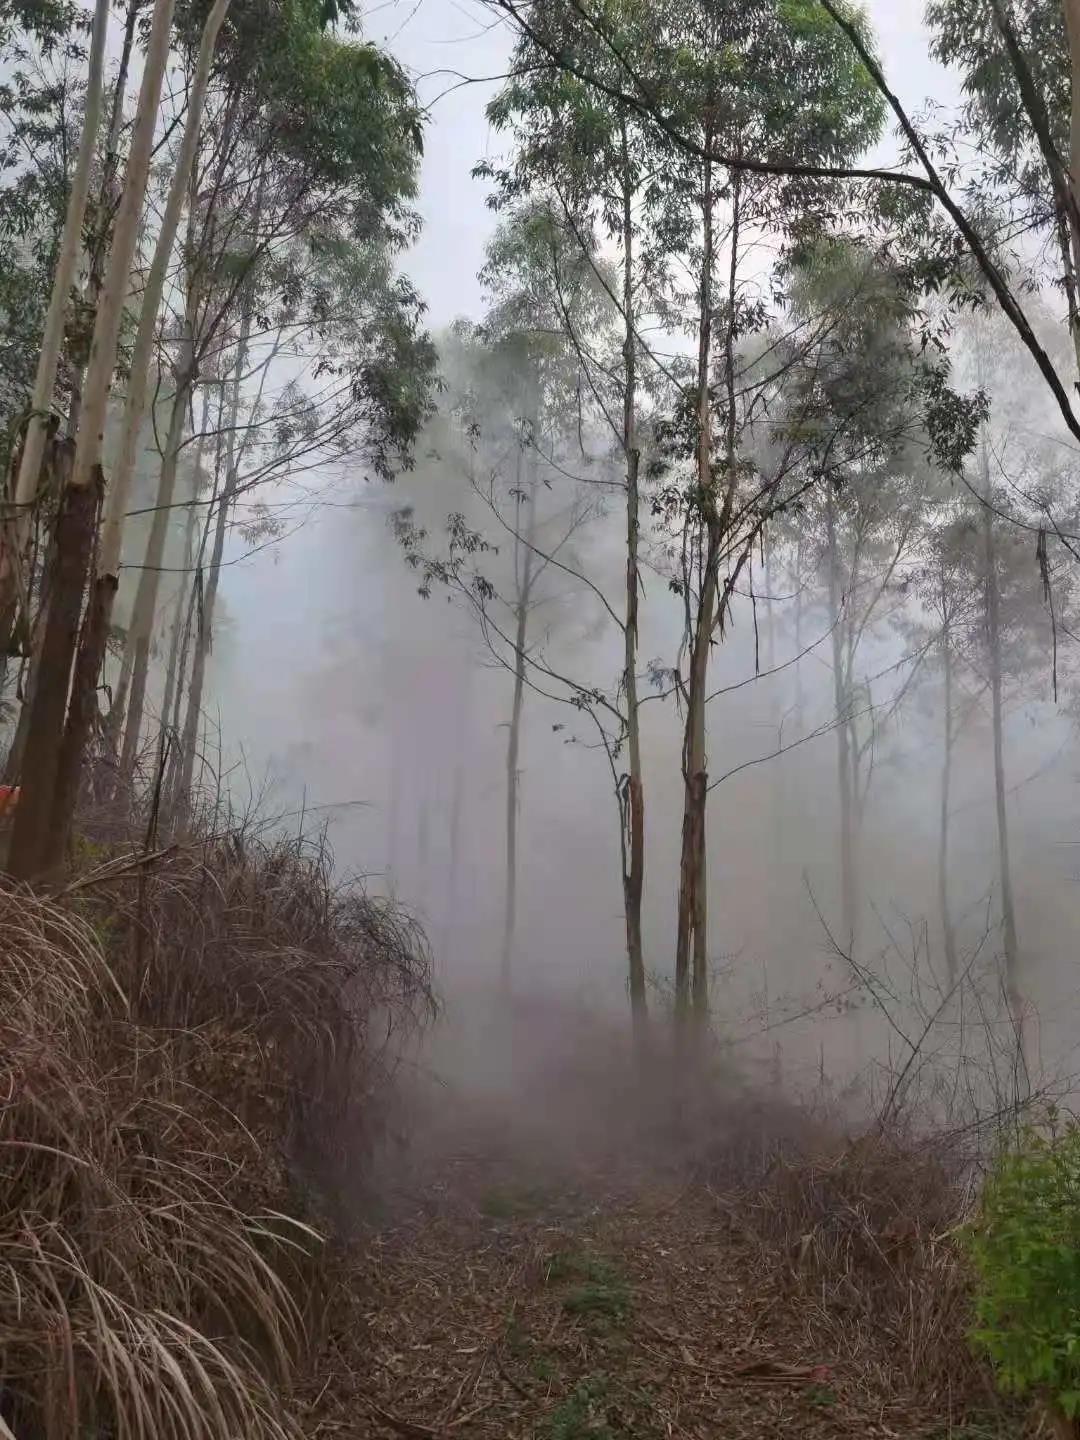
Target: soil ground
<point>509,1295</point>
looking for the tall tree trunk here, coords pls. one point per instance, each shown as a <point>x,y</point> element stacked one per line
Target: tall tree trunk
<point>1072,30</point>
<point>107,323</point>
<point>109,196</point>
<point>74,539</point>
<point>526,557</point>
<point>108,199</point>
<point>693,898</point>
<point>80,509</point>
<point>449,921</point>
<point>633,820</point>
<point>173,668</point>
<point>947,929</point>
<point>782,814</point>
<point>114,720</point>
<point>194,600</point>
<point>28,475</point>
<point>99,614</point>
<point>453,869</point>
<point>800,699</point>
<point>457,807</point>
<point>189,739</point>
<point>691,967</point>
<point>993,641</point>
<point>204,629</point>
<point>13,764</point>
<point>842,711</point>
<point>141,633</point>
<point>393,827</point>
<point>778,789</point>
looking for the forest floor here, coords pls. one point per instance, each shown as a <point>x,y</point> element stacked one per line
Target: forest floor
<point>505,1296</point>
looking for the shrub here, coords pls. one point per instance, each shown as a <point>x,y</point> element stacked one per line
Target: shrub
<point>1025,1248</point>
<point>866,1227</point>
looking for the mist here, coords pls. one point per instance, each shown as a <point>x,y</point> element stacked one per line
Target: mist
<point>540,686</point>
<point>382,714</point>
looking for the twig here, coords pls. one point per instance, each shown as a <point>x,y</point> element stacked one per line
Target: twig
<point>473,1374</point>
<point>500,1365</point>
<point>405,1427</point>
<point>471,1414</point>
<point>112,870</point>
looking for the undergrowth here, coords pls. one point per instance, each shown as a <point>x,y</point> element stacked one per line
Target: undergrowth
<point>192,1057</point>
<point>1025,1247</point>
<point>582,1415</point>
<point>598,1294</point>
<point>867,1231</point>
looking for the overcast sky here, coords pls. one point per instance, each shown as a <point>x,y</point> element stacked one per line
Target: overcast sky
<point>445,42</point>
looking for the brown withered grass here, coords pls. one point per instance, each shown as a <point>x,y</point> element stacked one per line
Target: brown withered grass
<point>190,1052</point>
<point>864,1232</point>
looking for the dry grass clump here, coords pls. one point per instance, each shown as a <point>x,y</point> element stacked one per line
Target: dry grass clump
<point>864,1229</point>
<point>176,1045</point>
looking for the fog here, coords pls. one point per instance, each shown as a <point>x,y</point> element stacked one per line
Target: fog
<point>347,699</point>
<point>540,693</point>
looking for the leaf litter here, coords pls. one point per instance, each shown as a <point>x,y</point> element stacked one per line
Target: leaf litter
<point>461,1325</point>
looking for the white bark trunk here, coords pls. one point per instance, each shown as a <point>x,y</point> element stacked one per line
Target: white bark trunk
<point>952,965</point>
<point>632,818</point>
<point>142,356</point>
<point>993,635</point>
<point>513,748</point>
<point>173,678</point>
<point>99,371</point>
<point>141,629</point>
<point>204,637</point>
<point>842,709</point>
<point>26,484</point>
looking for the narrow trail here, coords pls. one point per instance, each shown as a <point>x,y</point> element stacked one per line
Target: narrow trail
<point>506,1295</point>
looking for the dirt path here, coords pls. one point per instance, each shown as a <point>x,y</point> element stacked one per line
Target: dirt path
<point>500,1300</point>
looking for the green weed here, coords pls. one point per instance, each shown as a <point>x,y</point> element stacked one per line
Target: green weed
<point>582,1415</point>
<point>821,1396</point>
<point>1025,1246</point>
<point>594,1301</point>
<point>543,1368</point>
<point>511,1202</point>
<point>600,1295</point>
<point>579,1265</point>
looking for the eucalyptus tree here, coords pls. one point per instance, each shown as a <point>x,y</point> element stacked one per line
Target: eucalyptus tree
<point>79,501</point>
<point>547,304</point>
<point>1025,488</point>
<point>861,533</point>
<point>32,452</point>
<point>269,185</point>
<point>944,626</point>
<point>106,578</point>
<point>50,108</point>
<point>307,149</point>
<point>516,424</point>
<point>368,374</point>
<point>936,219</point>
<point>1019,123</point>
<point>605,171</point>
<point>747,80</point>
